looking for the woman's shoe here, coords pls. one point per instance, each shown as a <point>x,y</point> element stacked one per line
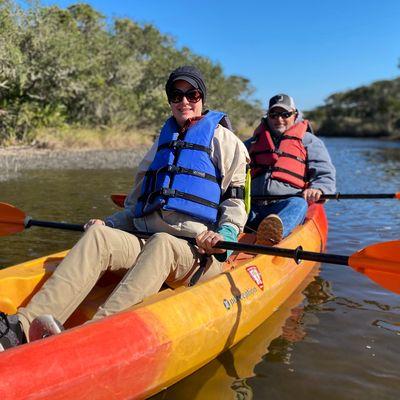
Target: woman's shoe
<point>11,332</point>
<point>44,326</point>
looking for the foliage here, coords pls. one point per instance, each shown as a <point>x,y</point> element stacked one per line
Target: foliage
<point>68,67</point>
<point>372,111</point>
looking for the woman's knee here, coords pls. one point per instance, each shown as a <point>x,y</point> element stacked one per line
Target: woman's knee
<point>161,238</point>
<point>97,229</point>
<point>97,233</point>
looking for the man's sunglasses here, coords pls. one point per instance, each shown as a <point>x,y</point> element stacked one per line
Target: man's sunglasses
<point>284,114</point>
<point>192,96</point>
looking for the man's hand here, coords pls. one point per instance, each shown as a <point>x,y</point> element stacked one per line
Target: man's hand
<point>206,240</point>
<point>312,195</point>
<point>93,222</point>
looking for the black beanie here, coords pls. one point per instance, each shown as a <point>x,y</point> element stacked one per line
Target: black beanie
<point>189,74</point>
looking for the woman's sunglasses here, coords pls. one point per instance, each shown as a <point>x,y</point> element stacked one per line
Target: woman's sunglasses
<point>192,96</point>
<point>284,114</point>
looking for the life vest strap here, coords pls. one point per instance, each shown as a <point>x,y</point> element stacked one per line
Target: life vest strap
<point>263,168</point>
<point>180,144</point>
<point>174,169</point>
<point>177,193</point>
<point>286,171</point>
<point>280,153</point>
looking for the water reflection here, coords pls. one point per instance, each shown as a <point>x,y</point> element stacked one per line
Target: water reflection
<point>317,294</point>
<point>242,390</point>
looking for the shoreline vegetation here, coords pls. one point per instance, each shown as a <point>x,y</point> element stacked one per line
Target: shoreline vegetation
<point>371,111</point>
<point>69,69</point>
<point>70,79</point>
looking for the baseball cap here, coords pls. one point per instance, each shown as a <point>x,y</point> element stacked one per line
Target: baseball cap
<point>283,101</point>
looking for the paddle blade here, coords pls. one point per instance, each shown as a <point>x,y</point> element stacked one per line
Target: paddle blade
<point>118,199</point>
<point>397,195</point>
<point>11,219</point>
<point>381,263</point>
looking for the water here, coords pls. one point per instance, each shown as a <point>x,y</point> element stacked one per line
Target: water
<point>341,337</point>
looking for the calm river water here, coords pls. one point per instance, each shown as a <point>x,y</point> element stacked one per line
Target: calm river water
<point>339,338</point>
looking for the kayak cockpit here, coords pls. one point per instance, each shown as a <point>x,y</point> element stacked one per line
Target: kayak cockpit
<point>19,283</point>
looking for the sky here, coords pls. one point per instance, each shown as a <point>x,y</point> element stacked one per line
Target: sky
<point>307,49</point>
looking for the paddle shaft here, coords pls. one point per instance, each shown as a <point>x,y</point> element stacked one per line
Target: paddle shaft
<point>297,254</point>
<point>57,225</point>
<point>119,199</point>
<point>74,227</point>
<point>80,228</point>
<point>335,196</point>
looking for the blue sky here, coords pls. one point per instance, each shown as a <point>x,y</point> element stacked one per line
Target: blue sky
<point>309,49</point>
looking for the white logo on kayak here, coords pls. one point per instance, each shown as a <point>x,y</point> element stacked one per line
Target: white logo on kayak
<point>228,303</point>
<point>255,274</point>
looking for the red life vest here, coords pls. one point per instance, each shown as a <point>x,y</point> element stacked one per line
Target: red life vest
<point>288,162</point>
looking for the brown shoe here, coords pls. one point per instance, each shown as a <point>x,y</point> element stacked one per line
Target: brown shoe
<point>270,230</point>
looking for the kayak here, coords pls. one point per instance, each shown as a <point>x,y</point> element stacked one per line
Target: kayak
<point>148,347</point>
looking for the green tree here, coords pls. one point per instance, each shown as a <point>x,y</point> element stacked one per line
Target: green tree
<point>62,67</point>
<point>371,111</point>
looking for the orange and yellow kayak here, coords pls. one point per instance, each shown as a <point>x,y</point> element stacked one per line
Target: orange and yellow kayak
<point>139,352</point>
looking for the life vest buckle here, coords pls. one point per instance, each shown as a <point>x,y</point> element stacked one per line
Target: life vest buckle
<point>178,144</point>
<point>168,192</point>
<point>172,168</point>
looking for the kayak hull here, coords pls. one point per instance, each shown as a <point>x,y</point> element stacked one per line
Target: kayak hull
<point>142,350</point>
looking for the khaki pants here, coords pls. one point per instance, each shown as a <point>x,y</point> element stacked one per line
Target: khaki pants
<point>163,258</point>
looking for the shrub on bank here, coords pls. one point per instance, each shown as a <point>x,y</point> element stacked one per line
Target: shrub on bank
<point>62,67</point>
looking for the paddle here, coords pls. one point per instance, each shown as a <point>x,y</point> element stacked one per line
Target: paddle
<point>335,196</point>
<point>119,199</point>
<point>380,262</point>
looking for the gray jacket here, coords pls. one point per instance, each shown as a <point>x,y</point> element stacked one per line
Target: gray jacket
<point>321,172</point>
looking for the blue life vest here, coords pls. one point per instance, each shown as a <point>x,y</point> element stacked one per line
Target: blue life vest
<point>182,176</point>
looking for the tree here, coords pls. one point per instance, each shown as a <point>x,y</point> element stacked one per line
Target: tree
<point>372,110</point>
<point>62,67</point>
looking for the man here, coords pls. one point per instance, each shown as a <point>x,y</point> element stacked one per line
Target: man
<point>286,159</point>
<point>190,183</point>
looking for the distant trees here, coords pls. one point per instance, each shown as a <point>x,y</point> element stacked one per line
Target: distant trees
<point>68,67</point>
<point>367,111</point>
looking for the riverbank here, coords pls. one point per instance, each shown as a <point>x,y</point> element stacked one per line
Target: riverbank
<point>15,159</point>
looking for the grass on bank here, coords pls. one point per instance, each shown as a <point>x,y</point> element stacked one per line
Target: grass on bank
<point>91,138</point>
<point>112,138</point>
<point>16,156</point>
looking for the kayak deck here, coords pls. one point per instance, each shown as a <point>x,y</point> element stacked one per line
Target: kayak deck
<point>154,344</point>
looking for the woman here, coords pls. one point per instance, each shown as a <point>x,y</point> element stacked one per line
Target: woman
<point>190,183</point>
